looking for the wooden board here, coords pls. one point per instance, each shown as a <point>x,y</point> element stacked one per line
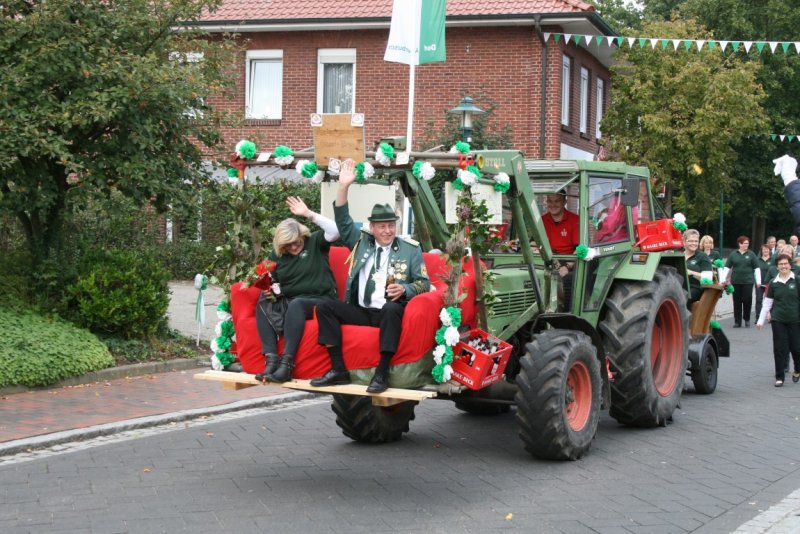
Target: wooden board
<point>338,139</point>
<point>387,398</point>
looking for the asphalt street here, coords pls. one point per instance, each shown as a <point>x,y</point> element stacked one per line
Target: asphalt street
<point>727,463</point>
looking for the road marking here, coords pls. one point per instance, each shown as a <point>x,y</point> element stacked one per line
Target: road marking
<point>139,433</point>
<point>782,518</point>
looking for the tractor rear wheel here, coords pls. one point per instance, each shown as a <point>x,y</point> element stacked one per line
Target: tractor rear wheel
<point>645,331</point>
<point>558,401</point>
<point>362,421</point>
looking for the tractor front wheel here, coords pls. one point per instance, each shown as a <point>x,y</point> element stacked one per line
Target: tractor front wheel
<point>558,401</point>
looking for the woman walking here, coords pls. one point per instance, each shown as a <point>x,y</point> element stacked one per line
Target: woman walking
<point>764,263</point>
<point>782,303</point>
<point>743,264</point>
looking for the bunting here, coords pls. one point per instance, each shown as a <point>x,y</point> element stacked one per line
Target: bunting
<point>655,43</point>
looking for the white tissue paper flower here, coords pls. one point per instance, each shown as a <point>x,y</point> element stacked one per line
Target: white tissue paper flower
<point>453,150</point>
<point>223,315</point>
<point>283,161</point>
<point>427,171</point>
<point>369,170</point>
<point>214,346</point>
<point>592,254</point>
<point>218,330</point>
<point>382,158</point>
<point>448,372</point>
<point>467,178</point>
<point>216,364</point>
<point>438,354</point>
<point>276,288</point>
<point>239,147</point>
<point>233,338</point>
<point>451,336</point>
<point>299,166</point>
<point>444,317</point>
<point>679,218</point>
<point>501,178</point>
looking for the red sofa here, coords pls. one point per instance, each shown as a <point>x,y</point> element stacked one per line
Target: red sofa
<point>360,343</point>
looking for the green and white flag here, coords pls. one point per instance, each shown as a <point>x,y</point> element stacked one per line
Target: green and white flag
<point>417,33</point>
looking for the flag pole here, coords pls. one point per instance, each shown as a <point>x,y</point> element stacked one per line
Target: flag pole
<point>410,119</point>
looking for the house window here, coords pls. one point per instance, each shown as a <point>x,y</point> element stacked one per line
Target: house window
<point>584,99</point>
<point>565,87</point>
<point>194,109</point>
<point>264,82</point>
<point>601,102</point>
<point>336,80</point>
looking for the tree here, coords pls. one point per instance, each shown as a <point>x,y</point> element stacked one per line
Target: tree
<point>619,14</point>
<point>102,95</point>
<point>680,112</point>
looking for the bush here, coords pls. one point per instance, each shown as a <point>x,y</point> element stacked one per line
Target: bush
<point>184,259</point>
<point>122,293</point>
<point>38,351</point>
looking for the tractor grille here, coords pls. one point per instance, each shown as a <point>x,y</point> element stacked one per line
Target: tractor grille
<point>513,303</point>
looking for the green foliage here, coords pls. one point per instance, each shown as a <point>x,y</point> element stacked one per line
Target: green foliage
<point>123,293</point>
<point>38,351</point>
<point>486,133</point>
<point>100,96</point>
<point>679,113</point>
<point>620,15</point>
<point>167,346</point>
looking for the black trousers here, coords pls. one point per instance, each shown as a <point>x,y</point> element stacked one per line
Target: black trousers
<point>742,302</point>
<point>294,323</point>
<point>332,314</point>
<point>785,339</point>
<point>759,300</point>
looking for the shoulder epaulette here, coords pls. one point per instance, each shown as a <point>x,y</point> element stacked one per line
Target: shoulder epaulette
<point>410,241</point>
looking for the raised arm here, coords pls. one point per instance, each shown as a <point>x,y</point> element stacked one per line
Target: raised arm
<point>299,208</point>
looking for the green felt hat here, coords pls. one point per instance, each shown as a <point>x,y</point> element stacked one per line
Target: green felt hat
<point>382,212</point>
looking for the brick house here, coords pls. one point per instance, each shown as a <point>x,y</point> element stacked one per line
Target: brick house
<point>306,56</point>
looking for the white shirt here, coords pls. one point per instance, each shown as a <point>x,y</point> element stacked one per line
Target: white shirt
<point>379,296</point>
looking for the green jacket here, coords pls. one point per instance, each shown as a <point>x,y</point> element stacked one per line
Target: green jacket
<point>405,256</point>
<point>743,266</point>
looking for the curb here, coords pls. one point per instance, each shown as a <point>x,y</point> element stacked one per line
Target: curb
<point>115,373</point>
<point>81,434</point>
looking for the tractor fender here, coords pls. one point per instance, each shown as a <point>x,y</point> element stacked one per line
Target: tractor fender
<point>696,348</point>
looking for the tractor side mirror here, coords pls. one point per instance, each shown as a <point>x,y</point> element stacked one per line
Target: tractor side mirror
<point>630,192</point>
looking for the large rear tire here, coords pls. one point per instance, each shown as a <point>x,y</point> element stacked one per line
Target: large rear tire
<point>645,331</point>
<point>558,401</point>
<point>704,377</point>
<point>361,421</point>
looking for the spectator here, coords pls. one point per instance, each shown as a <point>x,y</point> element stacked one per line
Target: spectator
<point>793,240</point>
<point>707,247</point>
<point>764,264</point>
<point>743,265</point>
<point>782,304</point>
<point>772,243</point>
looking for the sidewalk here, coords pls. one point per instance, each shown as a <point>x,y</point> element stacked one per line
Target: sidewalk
<point>43,417</point>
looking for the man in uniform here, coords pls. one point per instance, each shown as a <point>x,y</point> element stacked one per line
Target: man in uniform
<point>371,297</point>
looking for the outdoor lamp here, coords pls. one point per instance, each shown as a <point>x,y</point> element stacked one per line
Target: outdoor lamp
<point>466,108</point>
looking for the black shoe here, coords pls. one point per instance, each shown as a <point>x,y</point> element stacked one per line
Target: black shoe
<point>737,325</point>
<point>272,364</point>
<point>332,378</point>
<point>747,324</point>
<point>284,371</point>
<point>378,384</point>
<point>795,377</point>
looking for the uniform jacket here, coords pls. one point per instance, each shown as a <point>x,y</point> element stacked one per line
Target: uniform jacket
<point>405,256</point>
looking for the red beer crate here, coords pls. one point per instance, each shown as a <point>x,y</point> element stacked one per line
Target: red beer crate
<point>477,369</point>
<point>658,235</point>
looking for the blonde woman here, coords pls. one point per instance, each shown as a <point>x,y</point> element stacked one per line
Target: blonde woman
<point>304,278</point>
<point>707,247</point>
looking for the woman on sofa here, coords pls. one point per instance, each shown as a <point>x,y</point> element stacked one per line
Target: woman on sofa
<point>303,276</point>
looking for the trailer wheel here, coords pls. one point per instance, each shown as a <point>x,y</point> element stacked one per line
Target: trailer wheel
<point>704,377</point>
<point>558,401</point>
<point>362,421</point>
<point>646,334</point>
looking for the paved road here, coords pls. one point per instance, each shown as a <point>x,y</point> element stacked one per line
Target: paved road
<point>725,460</point>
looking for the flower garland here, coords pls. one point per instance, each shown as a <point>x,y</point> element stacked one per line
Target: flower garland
<point>706,281</point>
<point>502,182</point>
<point>334,167</point>
<point>233,175</point>
<point>714,324</point>
<point>679,222</point>
<point>467,177</point>
<point>226,336</point>
<point>246,149</point>
<point>385,154</point>
<point>306,169</point>
<point>283,155</point>
<point>586,253</point>
<point>446,338</point>
<point>424,170</point>
<point>364,170</point>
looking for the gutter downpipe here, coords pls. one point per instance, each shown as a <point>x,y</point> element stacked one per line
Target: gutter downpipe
<point>543,101</point>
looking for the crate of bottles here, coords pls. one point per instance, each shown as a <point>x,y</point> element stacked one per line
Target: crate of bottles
<point>479,359</point>
<point>658,235</point>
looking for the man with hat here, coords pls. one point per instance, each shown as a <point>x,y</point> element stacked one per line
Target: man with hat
<point>377,257</point>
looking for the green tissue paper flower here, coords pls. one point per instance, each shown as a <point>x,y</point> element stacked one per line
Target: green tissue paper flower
<point>224,343</point>
<point>248,150</point>
<point>474,170</point>
<point>387,149</point>
<point>225,358</point>
<point>705,282</point>
<point>582,251</point>
<point>458,184</point>
<point>462,147</point>
<point>224,306</point>
<point>680,226</point>
<point>309,170</point>
<point>415,170</point>
<point>282,151</point>
<point>226,328</point>
<point>233,173</point>
<point>455,315</point>
<point>718,263</point>
<point>729,290</point>
<point>502,187</point>
<point>360,172</point>
<point>714,324</point>
<point>439,337</point>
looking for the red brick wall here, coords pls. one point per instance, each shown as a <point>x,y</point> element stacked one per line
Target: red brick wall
<point>502,63</point>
